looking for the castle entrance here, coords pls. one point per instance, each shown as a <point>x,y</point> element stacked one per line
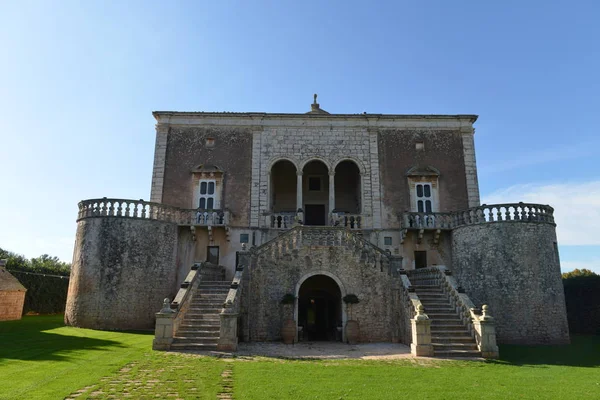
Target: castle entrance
<point>320,309</point>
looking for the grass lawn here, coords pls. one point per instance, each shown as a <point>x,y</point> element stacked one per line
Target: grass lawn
<point>42,359</point>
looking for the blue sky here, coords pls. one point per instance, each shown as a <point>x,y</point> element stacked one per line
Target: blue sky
<point>79,80</point>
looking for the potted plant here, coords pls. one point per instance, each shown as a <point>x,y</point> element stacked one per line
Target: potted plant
<point>288,330</point>
<point>352,327</point>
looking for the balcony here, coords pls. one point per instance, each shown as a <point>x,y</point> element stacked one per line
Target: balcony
<point>523,212</point>
<point>140,209</point>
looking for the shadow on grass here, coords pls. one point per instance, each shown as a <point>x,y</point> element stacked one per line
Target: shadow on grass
<point>31,339</point>
<point>584,351</point>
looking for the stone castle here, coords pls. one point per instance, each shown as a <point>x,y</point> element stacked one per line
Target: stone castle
<point>246,208</point>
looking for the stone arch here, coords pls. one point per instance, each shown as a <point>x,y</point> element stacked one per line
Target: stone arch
<point>359,164</point>
<point>281,186</point>
<point>315,158</point>
<point>342,292</point>
<point>275,160</point>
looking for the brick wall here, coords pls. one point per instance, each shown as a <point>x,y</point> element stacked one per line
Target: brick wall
<point>11,305</point>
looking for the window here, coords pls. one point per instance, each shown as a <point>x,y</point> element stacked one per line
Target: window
<point>212,254</point>
<point>420,259</point>
<point>207,194</point>
<point>387,240</point>
<point>424,197</point>
<point>244,238</point>
<point>314,183</point>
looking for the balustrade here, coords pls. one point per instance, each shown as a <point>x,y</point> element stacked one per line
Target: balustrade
<point>283,220</point>
<point>523,212</point>
<point>141,209</point>
<point>350,221</point>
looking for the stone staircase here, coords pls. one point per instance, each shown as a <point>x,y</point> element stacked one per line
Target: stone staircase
<point>201,324</point>
<point>449,336</point>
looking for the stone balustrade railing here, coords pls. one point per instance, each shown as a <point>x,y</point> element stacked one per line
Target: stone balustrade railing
<point>228,336</point>
<point>141,209</point>
<point>416,325</point>
<point>281,220</point>
<point>480,325</point>
<point>350,221</point>
<point>523,212</point>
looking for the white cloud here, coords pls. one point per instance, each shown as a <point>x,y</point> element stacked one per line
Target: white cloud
<point>576,207</point>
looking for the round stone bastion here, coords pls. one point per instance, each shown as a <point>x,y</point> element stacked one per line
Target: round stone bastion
<point>513,266</point>
<point>122,270</point>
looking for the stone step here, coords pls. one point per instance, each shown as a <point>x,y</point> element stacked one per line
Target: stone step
<point>439,309</point>
<point>450,331</point>
<point>451,339</point>
<point>457,353</point>
<point>201,328</point>
<point>447,325</point>
<point>440,315</point>
<point>206,310</point>
<point>196,337</point>
<point>453,346</point>
<point>210,303</point>
<point>194,346</point>
<point>196,321</point>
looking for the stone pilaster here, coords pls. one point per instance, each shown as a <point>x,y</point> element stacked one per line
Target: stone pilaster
<point>256,181</point>
<point>331,191</point>
<point>158,171</point>
<point>299,190</point>
<point>470,165</point>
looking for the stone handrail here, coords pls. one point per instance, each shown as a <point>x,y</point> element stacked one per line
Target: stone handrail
<point>416,324</point>
<point>141,209</point>
<point>169,318</point>
<point>522,212</point>
<point>230,313</point>
<point>468,313</point>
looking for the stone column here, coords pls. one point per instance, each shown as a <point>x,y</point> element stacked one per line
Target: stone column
<point>298,190</point>
<point>269,194</point>
<point>331,191</point>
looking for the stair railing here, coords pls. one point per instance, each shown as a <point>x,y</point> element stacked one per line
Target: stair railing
<point>170,316</point>
<point>231,311</point>
<point>480,325</point>
<point>416,325</point>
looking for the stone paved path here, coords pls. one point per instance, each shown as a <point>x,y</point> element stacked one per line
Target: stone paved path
<point>321,350</point>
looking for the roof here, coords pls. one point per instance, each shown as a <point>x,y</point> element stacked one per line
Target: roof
<point>9,283</point>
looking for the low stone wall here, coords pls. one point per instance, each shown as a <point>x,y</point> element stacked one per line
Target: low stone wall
<point>122,270</point>
<point>514,268</point>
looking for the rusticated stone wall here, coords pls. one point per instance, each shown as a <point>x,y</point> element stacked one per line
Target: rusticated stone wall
<point>273,275</point>
<point>514,268</point>
<point>122,270</point>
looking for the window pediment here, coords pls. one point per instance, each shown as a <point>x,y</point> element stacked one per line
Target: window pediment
<point>426,170</point>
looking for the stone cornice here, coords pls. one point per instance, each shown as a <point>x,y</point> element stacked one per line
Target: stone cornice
<point>265,120</point>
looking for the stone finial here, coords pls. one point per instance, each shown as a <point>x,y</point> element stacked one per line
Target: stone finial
<point>167,307</point>
<point>315,99</point>
<point>484,313</point>
<point>421,316</point>
<point>243,246</point>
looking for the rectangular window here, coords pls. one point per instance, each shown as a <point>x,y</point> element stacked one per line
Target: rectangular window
<point>244,238</point>
<point>212,254</point>
<point>314,183</point>
<point>207,194</point>
<point>424,198</point>
<point>387,240</point>
<point>420,259</point>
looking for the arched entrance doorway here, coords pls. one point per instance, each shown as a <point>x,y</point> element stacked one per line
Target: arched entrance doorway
<point>320,309</point>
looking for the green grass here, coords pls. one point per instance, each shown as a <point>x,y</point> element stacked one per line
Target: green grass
<point>42,359</point>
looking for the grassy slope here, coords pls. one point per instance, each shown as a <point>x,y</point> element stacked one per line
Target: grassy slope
<point>561,372</point>
<point>42,359</point>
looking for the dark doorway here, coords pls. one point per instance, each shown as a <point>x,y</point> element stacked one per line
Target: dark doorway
<point>314,214</point>
<point>320,309</point>
<point>420,259</point>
